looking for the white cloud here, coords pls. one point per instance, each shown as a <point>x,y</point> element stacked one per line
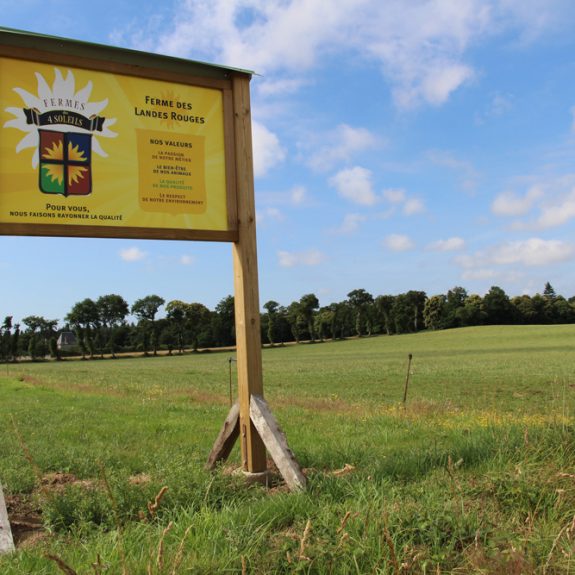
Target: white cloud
<point>468,174</point>
<point>394,196</point>
<point>445,79</point>
<point>355,185</point>
<point>449,245</point>
<point>558,213</point>
<point>553,199</point>
<point>267,214</point>
<point>510,204</point>
<point>348,141</point>
<point>398,243</point>
<point>420,46</point>
<point>532,252</point>
<point>268,151</point>
<point>295,196</point>
<point>281,86</point>
<point>534,17</point>
<point>398,198</point>
<point>497,106</point>
<point>255,34</point>
<point>133,254</point>
<point>479,274</point>
<point>413,206</point>
<point>351,223</point>
<point>468,261</point>
<point>298,195</point>
<point>307,258</point>
<point>187,260</point>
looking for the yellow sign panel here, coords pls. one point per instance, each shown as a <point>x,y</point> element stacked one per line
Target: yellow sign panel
<point>89,148</point>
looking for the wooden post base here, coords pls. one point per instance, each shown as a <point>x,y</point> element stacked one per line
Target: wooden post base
<point>6,540</point>
<point>264,478</point>
<point>270,433</point>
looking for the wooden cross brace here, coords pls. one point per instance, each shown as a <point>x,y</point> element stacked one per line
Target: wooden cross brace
<point>270,433</point>
<point>6,540</point>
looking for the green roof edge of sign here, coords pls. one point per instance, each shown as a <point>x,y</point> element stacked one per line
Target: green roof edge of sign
<point>13,37</point>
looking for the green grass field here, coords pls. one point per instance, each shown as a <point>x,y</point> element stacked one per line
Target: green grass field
<point>475,475</point>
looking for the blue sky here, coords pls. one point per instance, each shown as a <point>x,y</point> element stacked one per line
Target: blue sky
<point>398,145</point>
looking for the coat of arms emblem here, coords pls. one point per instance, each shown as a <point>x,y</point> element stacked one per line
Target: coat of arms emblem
<point>65,163</point>
<point>64,127</point>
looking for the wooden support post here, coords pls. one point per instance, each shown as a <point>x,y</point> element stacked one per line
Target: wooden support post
<point>6,540</point>
<point>250,419</point>
<point>247,312</point>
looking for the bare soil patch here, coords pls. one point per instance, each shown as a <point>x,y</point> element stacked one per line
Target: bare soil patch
<point>25,511</point>
<point>25,518</point>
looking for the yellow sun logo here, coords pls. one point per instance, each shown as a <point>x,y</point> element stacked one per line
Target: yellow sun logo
<point>63,88</point>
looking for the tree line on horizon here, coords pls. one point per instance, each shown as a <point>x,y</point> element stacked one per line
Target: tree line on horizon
<point>101,326</point>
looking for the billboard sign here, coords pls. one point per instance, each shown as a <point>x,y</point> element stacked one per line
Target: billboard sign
<point>124,153</point>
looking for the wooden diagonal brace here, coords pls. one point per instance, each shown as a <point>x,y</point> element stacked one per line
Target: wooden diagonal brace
<point>271,435</point>
<point>275,441</point>
<point>227,437</point>
<point>6,540</point>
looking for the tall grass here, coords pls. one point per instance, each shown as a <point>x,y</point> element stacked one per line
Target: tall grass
<point>475,474</point>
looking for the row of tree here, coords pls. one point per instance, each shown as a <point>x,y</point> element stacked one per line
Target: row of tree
<point>101,326</point>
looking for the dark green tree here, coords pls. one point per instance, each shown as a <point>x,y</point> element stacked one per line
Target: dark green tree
<point>176,315</point>
<point>271,308</point>
<point>6,339</point>
<point>434,312</point>
<point>295,319</point>
<point>524,309</point>
<point>323,322</point>
<point>84,319</point>
<point>472,312</point>
<point>455,300</point>
<point>112,312</point>
<point>282,328</point>
<point>169,335</point>
<point>561,311</point>
<point>346,320</point>
<point>416,301</point>
<point>402,313</point>
<point>548,291</point>
<point>224,322</point>
<point>308,304</point>
<point>40,331</point>
<point>383,307</point>
<point>498,307</point>
<point>197,320</point>
<point>361,302</point>
<point>145,309</point>
<point>15,342</point>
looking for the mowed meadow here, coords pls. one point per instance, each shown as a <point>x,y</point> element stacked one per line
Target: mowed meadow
<point>102,461</point>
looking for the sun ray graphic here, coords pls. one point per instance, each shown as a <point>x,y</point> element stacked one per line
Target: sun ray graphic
<point>56,152</point>
<point>76,173</point>
<point>64,87</point>
<point>75,154</point>
<point>56,171</point>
